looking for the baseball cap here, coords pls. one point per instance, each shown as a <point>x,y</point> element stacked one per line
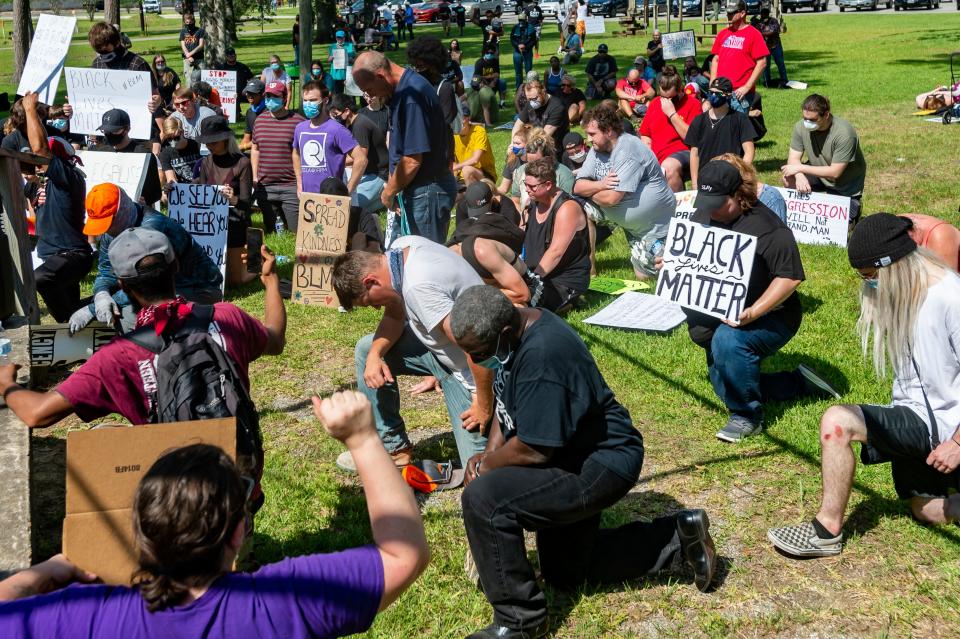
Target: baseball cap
<point>230,51</point>
<point>278,89</point>
<point>214,129</point>
<point>479,199</point>
<point>722,84</point>
<point>640,60</point>
<point>254,86</point>
<point>717,180</point>
<point>114,121</point>
<point>735,6</point>
<point>602,48</point>
<point>340,34</point>
<point>134,244</point>
<point>102,203</point>
<point>572,138</point>
<point>63,149</point>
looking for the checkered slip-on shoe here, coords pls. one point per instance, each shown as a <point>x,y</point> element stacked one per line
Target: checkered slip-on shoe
<point>802,541</point>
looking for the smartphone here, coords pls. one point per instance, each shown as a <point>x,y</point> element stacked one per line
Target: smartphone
<point>254,242</point>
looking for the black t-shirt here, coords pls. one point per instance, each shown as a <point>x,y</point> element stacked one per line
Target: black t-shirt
<point>551,394</point>
<point>486,69</point>
<point>180,161</point>
<point>364,222</point>
<point>151,183</point>
<point>576,96</point>
<point>553,113</point>
<point>16,141</point>
<point>656,60</point>
<point>191,36</point>
<point>534,15</point>
<point>713,138</point>
<point>60,219</point>
<point>370,132</point>
<point>460,13</point>
<point>777,256</point>
<point>443,11</point>
<point>601,65</point>
<point>251,117</point>
<point>167,81</point>
<point>453,72</point>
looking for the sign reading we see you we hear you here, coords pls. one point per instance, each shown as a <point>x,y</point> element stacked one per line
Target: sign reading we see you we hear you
<point>203,211</point>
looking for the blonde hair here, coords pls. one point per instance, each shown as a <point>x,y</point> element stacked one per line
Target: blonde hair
<point>888,313</point>
<point>171,127</point>
<point>746,195</point>
<point>539,142</point>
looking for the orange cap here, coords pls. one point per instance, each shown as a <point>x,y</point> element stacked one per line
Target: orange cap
<point>102,204</point>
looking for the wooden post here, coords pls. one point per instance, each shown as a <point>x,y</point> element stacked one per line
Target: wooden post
<point>306,40</point>
<point>16,263</point>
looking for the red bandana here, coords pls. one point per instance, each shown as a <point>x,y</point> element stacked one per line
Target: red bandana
<point>160,314</point>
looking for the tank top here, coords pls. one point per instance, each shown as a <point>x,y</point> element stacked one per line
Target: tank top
<point>553,81</point>
<point>573,269</point>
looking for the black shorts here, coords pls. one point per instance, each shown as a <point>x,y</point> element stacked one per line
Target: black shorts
<point>683,157</point>
<point>897,435</point>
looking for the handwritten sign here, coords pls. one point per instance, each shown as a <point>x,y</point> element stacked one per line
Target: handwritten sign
<point>679,44</point>
<point>639,312</point>
<point>706,269</point>
<point>93,92</point>
<point>53,345</point>
<point>817,218</point>
<point>594,25</point>
<point>126,170</point>
<point>48,49</point>
<point>615,285</point>
<point>202,210</point>
<point>321,237</point>
<point>339,58</point>
<point>225,82</point>
<point>685,207</point>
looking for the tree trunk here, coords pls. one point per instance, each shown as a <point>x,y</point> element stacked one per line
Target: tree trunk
<point>218,36</point>
<point>326,12</point>
<point>306,40</point>
<point>111,11</point>
<point>22,33</point>
<point>231,21</point>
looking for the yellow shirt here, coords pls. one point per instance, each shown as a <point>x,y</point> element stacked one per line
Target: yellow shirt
<point>478,139</point>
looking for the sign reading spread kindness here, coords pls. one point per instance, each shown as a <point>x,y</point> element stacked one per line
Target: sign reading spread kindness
<point>707,269</point>
<point>321,237</point>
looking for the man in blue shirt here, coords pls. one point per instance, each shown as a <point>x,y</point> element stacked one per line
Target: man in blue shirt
<point>420,182</point>
<point>523,37</point>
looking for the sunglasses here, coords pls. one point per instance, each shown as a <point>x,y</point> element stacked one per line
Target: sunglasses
<point>181,103</point>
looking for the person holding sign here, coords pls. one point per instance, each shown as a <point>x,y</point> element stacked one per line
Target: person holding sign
<point>562,449</point>
<point>909,312</point>
<point>771,312</point>
<point>655,51</point>
<point>341,55</point>
<point>741,56</point>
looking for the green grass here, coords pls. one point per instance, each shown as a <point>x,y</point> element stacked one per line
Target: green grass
<point>894,578</point>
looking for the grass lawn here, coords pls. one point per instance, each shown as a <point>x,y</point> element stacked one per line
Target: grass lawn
<point>895,578</point>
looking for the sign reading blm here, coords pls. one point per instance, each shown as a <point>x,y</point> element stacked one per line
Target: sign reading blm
<point>321,237</point>
<point>203,211</point>
<point>707,269</point>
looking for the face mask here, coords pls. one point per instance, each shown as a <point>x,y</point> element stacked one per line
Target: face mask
<point>517,150</point>
<point>108,57</point>
<point>316,72</point>
<point>579,156</point>
<point>310,109</point>
<point>113,139</point>
<point>488,56</point>
<point>872,283</point>
<point>810,126</point>
<point>494,362</point>
<point>716,100</point>
<point>60,124</point>
<point>275,66</point>
<point>161,66</point>
<point>273,104</point>
<point>535,104</point>
<point>257,108</point>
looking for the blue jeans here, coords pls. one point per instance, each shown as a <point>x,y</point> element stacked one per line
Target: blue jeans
<point>733,361</point>
<point>427,207</point>
<point>367,193</point>
<point>522,63</point>
<point>743,106</point>
<point>410,357</point>
<point>777,54</point>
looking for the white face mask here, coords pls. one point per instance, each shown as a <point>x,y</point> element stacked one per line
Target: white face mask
<point>579,156</point>
<point>535,104</point>
<point>810,126</point>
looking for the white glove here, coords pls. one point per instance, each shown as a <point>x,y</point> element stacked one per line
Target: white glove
<point>106,308</point>
<point>80,319</point>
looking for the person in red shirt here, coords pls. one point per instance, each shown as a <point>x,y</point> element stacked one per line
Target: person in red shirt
<point>665,126</point>
<point>633,94</point>
<point>740,54</point>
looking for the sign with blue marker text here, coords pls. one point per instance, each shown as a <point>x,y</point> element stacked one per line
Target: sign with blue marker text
<point>707,269</point>
<point>203,210</point>
<point>48,49</point>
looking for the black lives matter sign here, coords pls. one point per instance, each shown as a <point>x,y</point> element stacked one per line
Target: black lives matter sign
<point>321,237</point>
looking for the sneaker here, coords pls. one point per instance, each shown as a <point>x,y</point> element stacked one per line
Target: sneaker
<point>400,458</point>
<point>503,104</point>
<point>802,541</point>
<point>496,631</point>
<point>738,428</point>
<point>816,384</point>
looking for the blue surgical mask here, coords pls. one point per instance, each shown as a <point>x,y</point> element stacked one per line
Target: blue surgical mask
<point>488,56</point>
<point>258,108</point>
<point>873,283</point>
<point>494,362</point>
<point>274,104</point>
<point>516,150</point>
<point>316,72</point>
<point>59,124</point>
<point>311,109</point>
<point>275,66</point>
<point>717,100</point>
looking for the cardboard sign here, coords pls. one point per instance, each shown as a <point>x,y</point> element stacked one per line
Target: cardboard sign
<point>93,92</point>
<point>53,345</point>
<point>679,44</point>
<point>817,218</point>
<point>202,210</point>
<point>685,208</point>
<point>321,237</point>
<point>225,82</point>
<point>104,466</point>
<point>126,170</point>
<point>706,269</point>
<point>595,24</point>
<point>639,312</point>
<point>615,285</point>
<point>48,50</point>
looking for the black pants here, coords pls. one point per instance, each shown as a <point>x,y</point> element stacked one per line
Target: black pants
<point>410,29</point>
<point>58,281</point>
<point>563,508</point>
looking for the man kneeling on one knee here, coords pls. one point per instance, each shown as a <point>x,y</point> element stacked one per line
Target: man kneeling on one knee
<point>561,449</point>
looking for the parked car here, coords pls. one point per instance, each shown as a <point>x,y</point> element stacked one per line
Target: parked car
<point>550,8</point>
<point>915,4</point>
<point>873,5</point>
<point>816,5</point>
<point>152,6</point>
<point>692,7</point>
<point>607,8</point>
<point>754,6</point>
<point>487,5</point>
<point>426,12</point>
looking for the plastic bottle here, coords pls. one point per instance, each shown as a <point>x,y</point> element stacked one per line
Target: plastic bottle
<point>4,351</point>
<point>278,226</point>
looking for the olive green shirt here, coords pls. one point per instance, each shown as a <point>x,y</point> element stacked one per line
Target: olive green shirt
<point>839,143</point>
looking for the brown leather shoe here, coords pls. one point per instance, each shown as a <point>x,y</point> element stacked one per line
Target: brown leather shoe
<point>402,457</point>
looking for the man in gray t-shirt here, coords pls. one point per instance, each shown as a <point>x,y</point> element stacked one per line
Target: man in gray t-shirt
<point>190,114</point>
<point>624,183</point>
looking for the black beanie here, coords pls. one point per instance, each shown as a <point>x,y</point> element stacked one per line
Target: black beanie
<point>880,240</point>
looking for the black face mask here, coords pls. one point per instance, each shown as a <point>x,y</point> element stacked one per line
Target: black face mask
<point>114,139</point>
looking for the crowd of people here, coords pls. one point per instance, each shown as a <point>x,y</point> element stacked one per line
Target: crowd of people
<point>474,307</point>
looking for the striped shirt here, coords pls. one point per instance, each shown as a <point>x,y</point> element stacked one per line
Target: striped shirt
<point>274,140</point>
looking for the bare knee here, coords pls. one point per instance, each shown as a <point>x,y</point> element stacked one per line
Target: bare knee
<point>842,424</point>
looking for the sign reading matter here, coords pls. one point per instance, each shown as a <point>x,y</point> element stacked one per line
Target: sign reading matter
<point>707,269</point>
<point>321,237</point>
<point>126,170</point>
<point>48,49</point>
<point>53,345</point>
<point>93,92</point>
<point>202,210</point>
<point>817,218</point>
<point>225,82</point>
<point>679,44</point>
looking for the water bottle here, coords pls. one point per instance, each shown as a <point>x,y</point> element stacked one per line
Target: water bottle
<point>278,226</point>
<point>4,351</point>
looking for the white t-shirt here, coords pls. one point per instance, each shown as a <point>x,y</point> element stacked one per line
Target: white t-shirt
<point>936,348</point>
<point>191,127</point>
<point>433,278</point>
<point>582,11</point>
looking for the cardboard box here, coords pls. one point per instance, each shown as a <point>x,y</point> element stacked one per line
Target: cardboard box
<point>104,467</point>
<point>321,237</point>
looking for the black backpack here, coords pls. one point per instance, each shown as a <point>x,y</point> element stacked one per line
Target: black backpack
<point>196,379</point>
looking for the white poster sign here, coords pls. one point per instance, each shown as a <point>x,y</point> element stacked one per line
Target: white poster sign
<point>48,49</point>
<point>594,25</point>
<point>225,82</point>
<point>817,218</point>
<point>349,86</point>
<point>93,92</point>
<point>685,206</point>
<point>52,344</point>
<point>639,312</point>
<point>339,58</point>
<point>126,170</point>
<point>679,44</point>
<point>467,74</point>
<point>202,210</point>
<point>706,269</point>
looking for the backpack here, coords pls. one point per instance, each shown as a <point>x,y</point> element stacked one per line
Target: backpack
<point>196,379</point>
